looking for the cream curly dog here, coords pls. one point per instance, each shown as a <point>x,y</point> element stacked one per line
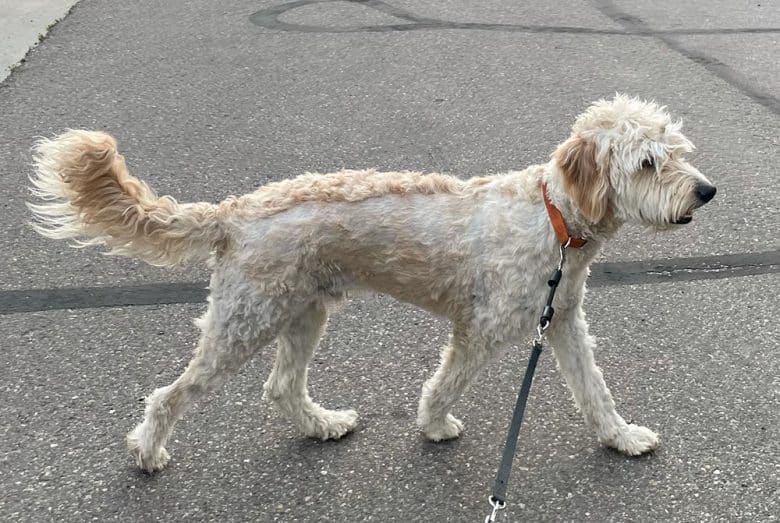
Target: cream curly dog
<point>477,251</point>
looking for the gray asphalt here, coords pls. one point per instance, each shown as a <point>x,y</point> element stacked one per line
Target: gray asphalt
<point>212,99</point>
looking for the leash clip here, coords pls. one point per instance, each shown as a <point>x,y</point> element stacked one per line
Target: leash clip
<point>497,505</point>
<point>562,247</point>
<point>540,329</point>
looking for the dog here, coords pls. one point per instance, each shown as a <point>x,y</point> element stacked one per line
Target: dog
<point>477,251</point>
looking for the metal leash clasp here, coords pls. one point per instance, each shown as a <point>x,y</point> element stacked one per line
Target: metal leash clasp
<point>497,505</point>
<point>562,248</point>
<point>540,329</point>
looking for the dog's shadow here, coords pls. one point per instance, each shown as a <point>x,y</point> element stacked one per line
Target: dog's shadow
<point>437,449</point>
<point>603,469</point>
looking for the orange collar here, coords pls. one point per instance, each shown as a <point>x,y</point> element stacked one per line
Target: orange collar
<point>559,224</point>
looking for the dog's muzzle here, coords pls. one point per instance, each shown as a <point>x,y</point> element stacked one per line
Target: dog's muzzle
<point>704,193</point>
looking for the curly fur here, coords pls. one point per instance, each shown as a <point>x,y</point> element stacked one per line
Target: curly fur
<point>477,251</point>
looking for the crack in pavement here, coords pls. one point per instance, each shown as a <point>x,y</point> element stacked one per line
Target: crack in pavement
<point>602,274</point>
<point>269,19</point>
<point>710,63</point>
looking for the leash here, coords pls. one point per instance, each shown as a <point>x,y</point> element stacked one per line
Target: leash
<point>497,499</point>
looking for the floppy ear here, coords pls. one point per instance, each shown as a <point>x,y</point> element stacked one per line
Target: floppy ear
<point>585,176</point>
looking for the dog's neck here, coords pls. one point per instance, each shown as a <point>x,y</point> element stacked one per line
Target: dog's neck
<point>576,222</point>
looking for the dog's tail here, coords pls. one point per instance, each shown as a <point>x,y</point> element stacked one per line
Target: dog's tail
<point>89,196</point>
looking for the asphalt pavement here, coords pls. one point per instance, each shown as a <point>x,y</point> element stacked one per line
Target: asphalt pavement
<point>209,99</point>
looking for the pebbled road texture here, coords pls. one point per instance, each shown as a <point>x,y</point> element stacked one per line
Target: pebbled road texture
<point>212,99</point>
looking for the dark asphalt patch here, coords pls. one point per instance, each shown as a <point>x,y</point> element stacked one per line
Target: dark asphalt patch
<point>602,274</point>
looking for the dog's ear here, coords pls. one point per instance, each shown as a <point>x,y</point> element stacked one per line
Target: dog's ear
<point>585,173</point>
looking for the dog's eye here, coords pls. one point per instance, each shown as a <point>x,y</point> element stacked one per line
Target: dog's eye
<point>648,163</point>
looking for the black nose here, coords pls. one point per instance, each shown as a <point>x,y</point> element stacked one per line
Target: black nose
<point>706,192</point>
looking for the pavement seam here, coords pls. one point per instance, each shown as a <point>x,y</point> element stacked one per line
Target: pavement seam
<point>602,275</point>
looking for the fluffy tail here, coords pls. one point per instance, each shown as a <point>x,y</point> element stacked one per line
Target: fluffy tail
<point>88,195</point>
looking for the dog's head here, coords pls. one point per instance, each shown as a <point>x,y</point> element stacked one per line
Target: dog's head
<point>625,160</point>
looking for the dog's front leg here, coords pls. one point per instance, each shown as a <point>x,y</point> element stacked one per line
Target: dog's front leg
<point>573,348</point>
<point>461,360</point>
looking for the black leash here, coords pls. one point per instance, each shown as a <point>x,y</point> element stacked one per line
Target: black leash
<point>498,499</point>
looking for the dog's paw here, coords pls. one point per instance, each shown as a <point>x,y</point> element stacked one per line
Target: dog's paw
<point>449,428</point>
<point>634,440</point>
<point>146,460</point>
<point>331,424</point>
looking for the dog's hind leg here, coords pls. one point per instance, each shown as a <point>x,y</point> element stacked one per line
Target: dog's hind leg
<point>573,348</point>
<point>461,360</point>
<point>230,336</point>
<point>286,386</point>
